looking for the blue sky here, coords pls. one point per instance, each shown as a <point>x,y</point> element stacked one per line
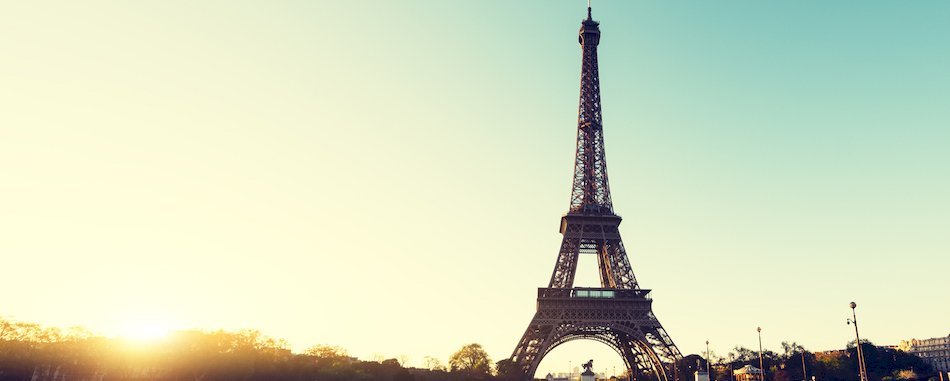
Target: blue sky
<point>388,177</point>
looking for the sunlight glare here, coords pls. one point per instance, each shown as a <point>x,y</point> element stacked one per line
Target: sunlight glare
<point>144,331</point>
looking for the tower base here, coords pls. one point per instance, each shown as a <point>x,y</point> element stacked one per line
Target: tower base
<point>621,318</point>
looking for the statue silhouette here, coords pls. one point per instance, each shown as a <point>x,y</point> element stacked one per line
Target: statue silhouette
<point>589,365</point>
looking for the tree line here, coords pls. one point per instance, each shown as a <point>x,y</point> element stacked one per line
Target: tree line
<point>883,363</point>
<point>30,352</point>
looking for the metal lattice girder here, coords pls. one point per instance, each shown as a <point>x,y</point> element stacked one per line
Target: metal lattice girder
<point>619,313</point>
<point>598,235</point>
<point>590,191</point>
<point>622,319</point>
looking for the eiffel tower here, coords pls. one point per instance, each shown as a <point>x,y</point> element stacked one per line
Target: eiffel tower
<point>619,313</point>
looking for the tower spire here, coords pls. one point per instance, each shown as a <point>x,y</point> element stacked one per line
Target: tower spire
<point>590,192</point>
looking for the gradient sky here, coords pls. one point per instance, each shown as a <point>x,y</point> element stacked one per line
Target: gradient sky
<point>389,176</point>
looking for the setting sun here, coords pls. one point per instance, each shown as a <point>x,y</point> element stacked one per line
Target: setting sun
<point>144,331</point>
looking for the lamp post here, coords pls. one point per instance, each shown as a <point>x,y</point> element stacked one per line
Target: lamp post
<point>707,356</point>
<point>804,373</point>
<point>862,367</point>
<point>761,366</point>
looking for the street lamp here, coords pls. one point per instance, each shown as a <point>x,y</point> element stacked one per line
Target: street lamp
<point>804,373</point>
<point>761,366</point>
<point>862,366</point>
<point>707,356</point>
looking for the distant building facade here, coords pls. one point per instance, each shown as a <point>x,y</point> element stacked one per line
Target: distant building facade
<point>747,373</point>
<point>935,351</point>
<point>576,376</point>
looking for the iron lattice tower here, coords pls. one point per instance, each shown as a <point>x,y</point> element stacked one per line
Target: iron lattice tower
<point>619,313</point>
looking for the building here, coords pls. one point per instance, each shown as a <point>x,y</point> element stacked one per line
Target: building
<point>747,373</point>
<point>935,351</point>
<point>575,376</point>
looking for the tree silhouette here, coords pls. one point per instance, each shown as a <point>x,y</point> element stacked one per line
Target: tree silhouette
<point>471,358</point>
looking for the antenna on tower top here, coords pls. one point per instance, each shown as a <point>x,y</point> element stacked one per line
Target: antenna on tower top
<point>588,10</point>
